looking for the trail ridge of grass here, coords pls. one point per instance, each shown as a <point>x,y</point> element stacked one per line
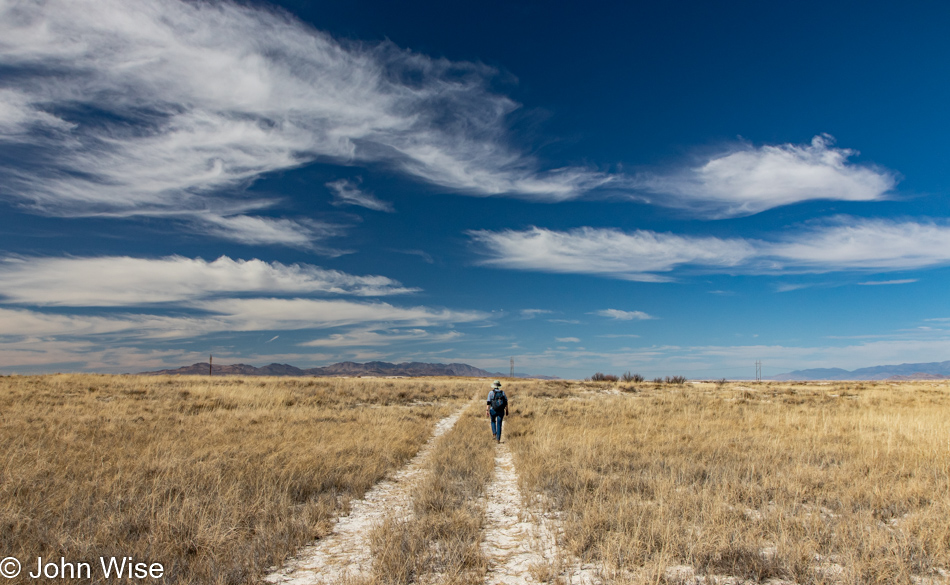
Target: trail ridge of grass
<point>346,553</point>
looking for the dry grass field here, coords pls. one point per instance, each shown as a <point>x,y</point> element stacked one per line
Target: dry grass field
<point>222,478</point>
<point>805,483</point>
<point>216,478</point>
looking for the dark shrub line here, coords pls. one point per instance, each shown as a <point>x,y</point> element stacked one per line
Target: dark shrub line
<point>635,378</point>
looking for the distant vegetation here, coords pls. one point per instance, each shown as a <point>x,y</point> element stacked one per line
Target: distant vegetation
<point>635,379</point>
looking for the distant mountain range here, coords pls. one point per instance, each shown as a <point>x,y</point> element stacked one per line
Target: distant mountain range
<point>339,369</point>
<point>928,371</point>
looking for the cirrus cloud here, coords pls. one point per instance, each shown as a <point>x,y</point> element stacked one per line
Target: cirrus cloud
<point>110,281</point>
<point>622,315</point>
<point>134,107</point>
<point>369,338</point>
<point>836,245</point>
<point>137,106</point>
<point>638,255</point>
<point>347,192</point>
<point>231,315</point>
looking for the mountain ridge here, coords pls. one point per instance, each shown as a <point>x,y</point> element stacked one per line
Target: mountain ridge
<point>408,369</point>
<point>916,371</point>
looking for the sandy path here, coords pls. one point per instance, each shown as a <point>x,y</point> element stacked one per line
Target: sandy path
<point>345,553</point>
<point>521,544</point>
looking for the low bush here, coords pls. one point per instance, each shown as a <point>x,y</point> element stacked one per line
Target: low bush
<point>628,377</point>
<point>599,377</point>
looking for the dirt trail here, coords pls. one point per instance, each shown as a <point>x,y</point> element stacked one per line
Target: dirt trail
<point>346,553</point>
<point>521,543</point>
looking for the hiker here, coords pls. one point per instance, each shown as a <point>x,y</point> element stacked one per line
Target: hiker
<point>497,409</point>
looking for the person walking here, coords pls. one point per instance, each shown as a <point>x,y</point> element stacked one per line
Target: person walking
<point>497,409</point>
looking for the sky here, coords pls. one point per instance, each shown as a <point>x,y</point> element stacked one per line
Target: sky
<point>665,188</point>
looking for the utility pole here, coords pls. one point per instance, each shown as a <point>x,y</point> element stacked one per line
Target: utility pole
<point>758,371</point>
<point>210,361</point>
<point>511,374</point>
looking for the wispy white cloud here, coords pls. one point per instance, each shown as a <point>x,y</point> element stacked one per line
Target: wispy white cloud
<point>265,314</point>
<point>23,324</point>
<point>638,255</point>
<point>256,230</point>
<point>839,244</point>
<point>622,315</point>
<point>125,281</point>
<point>532,313</point>
<point>172,299</point>
<point>365,338</point>
<point>18,116</point>
<point>347,192</point>
<point>862,244</point>
<point>121,106</point>
<point>746,179</point>
<point>886,282</point>
<point>790,286</point>
<point>568,339</point>
<point>38,354</point>
<point>229,315</point>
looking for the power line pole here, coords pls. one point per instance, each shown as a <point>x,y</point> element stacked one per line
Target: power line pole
<point>511,374</point>
<point>210,361</point>
<point>758,371</point>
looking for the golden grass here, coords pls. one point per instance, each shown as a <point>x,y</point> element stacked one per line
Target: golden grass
<point>221,478</point>
<point>440,542</point>
<point>218,479</point>
<point>810,483</point>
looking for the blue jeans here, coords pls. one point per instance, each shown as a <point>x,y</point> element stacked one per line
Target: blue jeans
<point>496,419</point>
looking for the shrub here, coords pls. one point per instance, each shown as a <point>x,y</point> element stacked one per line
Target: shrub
<point>628,377</point>
<point>599,377</point>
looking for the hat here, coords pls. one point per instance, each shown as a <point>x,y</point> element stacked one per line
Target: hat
<point>496,384</point>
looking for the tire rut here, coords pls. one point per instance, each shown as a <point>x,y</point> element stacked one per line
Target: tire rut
<point>521,542</point>
<point>345,553</point>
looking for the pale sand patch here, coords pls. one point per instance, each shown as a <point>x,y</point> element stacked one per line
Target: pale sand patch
<point>521,543</point>
<point>345,553</point>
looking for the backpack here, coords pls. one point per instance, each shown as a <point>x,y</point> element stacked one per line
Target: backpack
<point>499,401</point>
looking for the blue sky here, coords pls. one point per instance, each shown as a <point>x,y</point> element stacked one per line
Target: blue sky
<point>663,188</point>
